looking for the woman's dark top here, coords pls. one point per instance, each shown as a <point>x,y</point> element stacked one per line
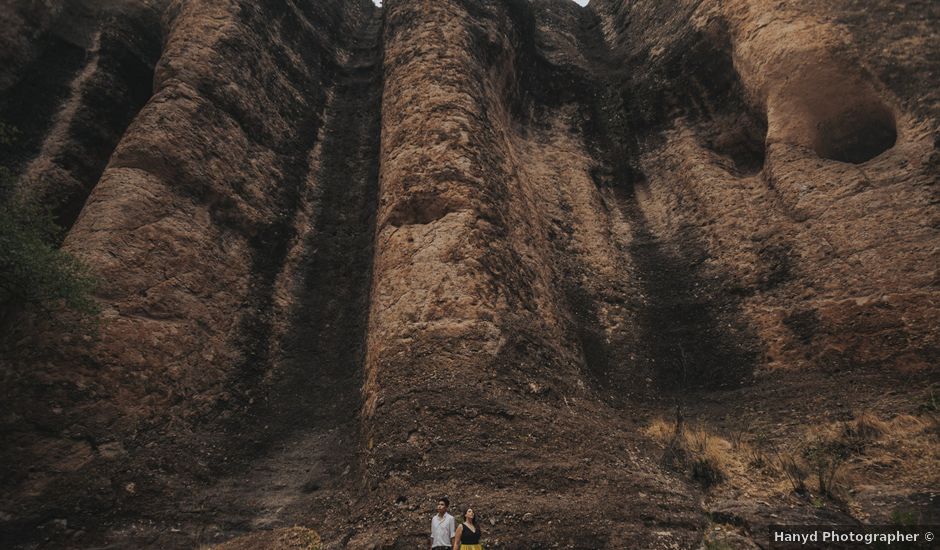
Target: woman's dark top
<point>469,537</point>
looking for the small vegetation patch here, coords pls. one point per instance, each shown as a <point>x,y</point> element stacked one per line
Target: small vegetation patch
<point>693,450</point>
<point>823,464</point>
<point>825,450</point>
<point>34,271</point>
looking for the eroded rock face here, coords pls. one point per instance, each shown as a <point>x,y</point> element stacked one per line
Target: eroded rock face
<point>355,258</point>
<point>192,225</point>
<point>472,345</point>
<point>820,260</point>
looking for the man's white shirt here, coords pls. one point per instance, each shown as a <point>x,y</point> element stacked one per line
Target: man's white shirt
<point>442,530</point>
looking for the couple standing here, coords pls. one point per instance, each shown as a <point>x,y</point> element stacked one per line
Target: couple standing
<point>445,537</point>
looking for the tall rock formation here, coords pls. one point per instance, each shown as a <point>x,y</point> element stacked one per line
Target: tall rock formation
<point>354,258</point>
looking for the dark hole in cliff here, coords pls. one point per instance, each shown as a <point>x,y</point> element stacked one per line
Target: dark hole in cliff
<point>857,134</point>
<point>419,211</point>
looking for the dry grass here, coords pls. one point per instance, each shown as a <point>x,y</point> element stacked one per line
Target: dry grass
<point>704,456</point>
<point>907,450</point>
<point>904,448</point>
<point>838,456</point>
<point>826,459</point>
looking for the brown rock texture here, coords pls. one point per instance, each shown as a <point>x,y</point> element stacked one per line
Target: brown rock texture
<point>355,258</point>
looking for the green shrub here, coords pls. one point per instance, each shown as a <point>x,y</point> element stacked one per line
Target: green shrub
<point>34,272</point>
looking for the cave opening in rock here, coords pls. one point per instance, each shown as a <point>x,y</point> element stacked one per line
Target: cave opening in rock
<point>857,134</point>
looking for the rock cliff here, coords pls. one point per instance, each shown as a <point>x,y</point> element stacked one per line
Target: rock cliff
<point>354,258</point>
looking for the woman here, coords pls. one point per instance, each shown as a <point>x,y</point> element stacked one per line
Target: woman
<point>468,533</point>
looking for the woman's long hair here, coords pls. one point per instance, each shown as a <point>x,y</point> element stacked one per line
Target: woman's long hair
<point>474,520</point>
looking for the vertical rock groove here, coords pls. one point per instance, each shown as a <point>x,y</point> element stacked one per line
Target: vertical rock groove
<point>198,210</point>
<point>471,347</point>
<point>69,148</point>
<point>302,435</point>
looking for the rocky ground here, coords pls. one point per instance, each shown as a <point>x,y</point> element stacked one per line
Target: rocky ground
<point>636,275</point>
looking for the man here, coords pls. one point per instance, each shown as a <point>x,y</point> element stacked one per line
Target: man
<point>442,527</point>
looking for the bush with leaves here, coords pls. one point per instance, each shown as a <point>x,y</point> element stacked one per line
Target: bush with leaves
<point>34,272</point>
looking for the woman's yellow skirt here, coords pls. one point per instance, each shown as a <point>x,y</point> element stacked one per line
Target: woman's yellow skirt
<point>471,547</point>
